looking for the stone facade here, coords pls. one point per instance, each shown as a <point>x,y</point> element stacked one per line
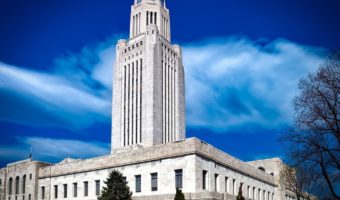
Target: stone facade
<point>20,180</point>
<point>193,157</point>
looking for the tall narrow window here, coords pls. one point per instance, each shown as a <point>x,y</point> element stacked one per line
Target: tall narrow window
<point>141,93</point>
<point>226,181</point>
<point>30,176</point>
<point>17,182</point>
<point>254,190</point>
<point>138,183</point>
<point>24,184</point>
<point>234,186</point>
<point>65,190</point>
<point>86,188</point>
<point>42,192</point>
<point>147,17</point>
<point>75,189</point>
<point>155,18</point>
<point>29,197</point>
<point>56,192</point>
<point>179,178</point>
<point>10,186</point>
<point>0,182</point>
<point>204,179</point>
<point>23,197</point>
<point>151,16</point>
<point>154,182</point>
<point>125,143</point>
<point>97,187</point>
<point>216,182</point>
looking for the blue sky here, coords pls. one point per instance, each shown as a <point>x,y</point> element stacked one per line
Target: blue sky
<point>243,60</point>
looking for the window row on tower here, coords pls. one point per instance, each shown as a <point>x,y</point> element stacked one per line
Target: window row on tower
<point>151,17</point>
<point>132,102</point>
<point>169,101</point>
<point>136,24</point>
<point>165,26</point>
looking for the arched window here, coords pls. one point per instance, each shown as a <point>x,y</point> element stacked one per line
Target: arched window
<point>262,169</point>
<point>17,181</point>
<point>24,184</point>
<point>10,186</point>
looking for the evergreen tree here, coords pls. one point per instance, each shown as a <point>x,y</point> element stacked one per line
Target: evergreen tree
<point>240,196</point>
<point>116,188</point>
<point>179,195</point>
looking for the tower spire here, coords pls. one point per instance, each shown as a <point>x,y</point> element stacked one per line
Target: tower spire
<point>146,13</point>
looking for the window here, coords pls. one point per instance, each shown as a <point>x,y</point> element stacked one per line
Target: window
<point>30,176</point>
<point>42,192</point>
<point>23,197</point>
<point>75,189</point>
<point>138,183</point>
<point>179,178</point>
<point>56,192</point>
<point>97,187</point>
<point>234,187</point>
<point>24,184</point>
<point>0,181</point>
<point>154,182</point>
<point>216,182</point>
<point>10,186</point>
<point>254,190</point>
<point>65,190</point>
<point>262,169</point>
<point>29,197</point>
<point>226,190</point>
<point>204,177</point>
<point>86,188</point>
<point>17,182</point>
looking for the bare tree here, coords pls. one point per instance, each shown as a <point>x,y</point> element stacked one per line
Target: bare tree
<point>299,181</point>
<point>314,144</point>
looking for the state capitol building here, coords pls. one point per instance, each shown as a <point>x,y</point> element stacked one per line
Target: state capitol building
<point>149,144</point>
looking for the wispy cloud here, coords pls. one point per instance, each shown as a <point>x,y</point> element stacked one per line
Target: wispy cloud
<point>75,94</point>
<point>54,150</point>
<point>236,83</point>
<point>231,82</point>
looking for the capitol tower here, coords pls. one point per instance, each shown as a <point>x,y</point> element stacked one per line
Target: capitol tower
<point>148,94</point>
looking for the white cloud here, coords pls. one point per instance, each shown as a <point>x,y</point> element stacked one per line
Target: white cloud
<point>235,82</point>
<point>230,82</point>
<point>53,149</point>
<point>76,94</point>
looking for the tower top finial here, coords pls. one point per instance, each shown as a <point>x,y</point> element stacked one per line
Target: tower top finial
<point>162,2</point>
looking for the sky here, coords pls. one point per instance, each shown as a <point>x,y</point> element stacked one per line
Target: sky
<point>243,60</point>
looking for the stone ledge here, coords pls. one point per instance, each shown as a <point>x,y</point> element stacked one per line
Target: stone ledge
<point>158,152</point>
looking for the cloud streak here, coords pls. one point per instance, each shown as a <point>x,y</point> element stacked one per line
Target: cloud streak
<point>75,94</point>
<point>231,83</point>
<point>235,83</point>
<point>54,150</point>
